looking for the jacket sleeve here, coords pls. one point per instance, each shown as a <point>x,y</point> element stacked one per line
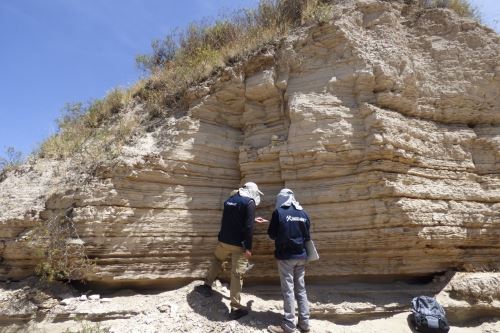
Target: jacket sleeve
<point>249,223</point>
<point>272,231</point>
<point>307,234</point>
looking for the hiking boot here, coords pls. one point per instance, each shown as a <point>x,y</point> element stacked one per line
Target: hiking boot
<point>236,314</point>
<point>204,290</point>
<point>278,329</point>
<point>304,330</point>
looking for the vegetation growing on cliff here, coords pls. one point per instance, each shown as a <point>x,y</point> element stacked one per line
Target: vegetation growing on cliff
<point>86,129</point>
<point>184,57</point>
<point>461,7</point>
<point>61,252</point>
<point>191,55</point>
<point>175,63</point>
<point>12,159</point>
<point>96,130</point>
<point>188,56</point>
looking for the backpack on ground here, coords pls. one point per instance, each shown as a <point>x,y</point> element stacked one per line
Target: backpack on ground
<point>428,315</point>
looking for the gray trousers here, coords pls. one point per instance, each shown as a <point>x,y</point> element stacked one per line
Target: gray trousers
<point>293,287</point>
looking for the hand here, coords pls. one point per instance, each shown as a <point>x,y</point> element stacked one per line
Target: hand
<point>247,254</point>
<point>259,219</point>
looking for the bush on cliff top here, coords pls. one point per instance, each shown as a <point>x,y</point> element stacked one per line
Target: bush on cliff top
<point>461,7</point>
<point>187,56</point>
<point>12,159</point>
<point>85,128</point>
<point>176,62</point>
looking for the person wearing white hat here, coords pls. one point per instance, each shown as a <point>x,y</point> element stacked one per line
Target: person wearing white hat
<point>235,243</point>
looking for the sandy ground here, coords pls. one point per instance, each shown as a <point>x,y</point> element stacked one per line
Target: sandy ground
<point>184,310</point>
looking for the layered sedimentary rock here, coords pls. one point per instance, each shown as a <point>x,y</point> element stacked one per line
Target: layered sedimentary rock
<point>385,122</point>
<point>353,307</point>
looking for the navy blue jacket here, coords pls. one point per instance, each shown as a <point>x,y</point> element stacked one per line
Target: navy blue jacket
<point>238,221</point>
<point>289,228</point>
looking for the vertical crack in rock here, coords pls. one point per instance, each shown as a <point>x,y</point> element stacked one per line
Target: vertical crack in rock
<point>385,122</point>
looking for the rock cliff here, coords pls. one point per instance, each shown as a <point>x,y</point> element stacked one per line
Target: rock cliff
<point>385,121</point>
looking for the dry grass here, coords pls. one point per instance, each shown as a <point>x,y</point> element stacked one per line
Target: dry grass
<point>464,8</point>
<point>87,129</point>
<point>11,161</point>
<point>187,56</point>
<point>461,7</point>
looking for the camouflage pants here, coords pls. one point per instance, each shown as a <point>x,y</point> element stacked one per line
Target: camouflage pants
<point>223,252</point>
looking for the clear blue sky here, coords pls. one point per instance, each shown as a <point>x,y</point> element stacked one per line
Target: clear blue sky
<point>59,51</point>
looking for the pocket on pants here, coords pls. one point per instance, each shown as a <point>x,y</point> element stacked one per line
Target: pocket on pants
<point>221,253</point>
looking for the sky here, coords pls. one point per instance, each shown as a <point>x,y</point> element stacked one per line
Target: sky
<point>55,52</point>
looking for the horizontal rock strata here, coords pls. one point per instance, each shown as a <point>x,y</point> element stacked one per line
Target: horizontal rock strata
<point>385,122</point>
<point>465,297</point>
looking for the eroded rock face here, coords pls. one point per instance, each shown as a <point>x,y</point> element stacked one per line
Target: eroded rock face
<point>471,296</point>
<point>385,122</point>
<point>351,307</point>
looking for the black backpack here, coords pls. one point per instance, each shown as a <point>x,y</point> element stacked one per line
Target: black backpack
<point>428,315</point>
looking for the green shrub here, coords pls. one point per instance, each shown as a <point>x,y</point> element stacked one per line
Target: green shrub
<point>163,52</point>
<point>188,56</point>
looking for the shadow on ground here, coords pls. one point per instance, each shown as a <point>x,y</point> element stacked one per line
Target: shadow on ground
<point>215,308</point>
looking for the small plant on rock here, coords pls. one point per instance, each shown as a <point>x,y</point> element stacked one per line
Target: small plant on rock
<point>12,159</point>
<point>461,7</point>
<point>61,251</point>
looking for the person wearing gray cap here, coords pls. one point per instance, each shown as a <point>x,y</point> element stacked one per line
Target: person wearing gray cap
<point>235,243</point>
<point>289,228</point>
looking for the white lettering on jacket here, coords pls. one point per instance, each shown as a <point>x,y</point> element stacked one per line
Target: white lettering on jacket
<point>295,218</point>
<point>231,203</point>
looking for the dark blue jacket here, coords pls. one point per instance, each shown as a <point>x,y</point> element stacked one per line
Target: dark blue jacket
<point>238,221</point>
<point>289,228</point>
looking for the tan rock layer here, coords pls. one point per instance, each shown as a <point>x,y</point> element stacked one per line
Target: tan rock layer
<point>384,122</point>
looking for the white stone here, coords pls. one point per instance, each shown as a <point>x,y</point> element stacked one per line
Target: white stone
<point>66,301</point>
